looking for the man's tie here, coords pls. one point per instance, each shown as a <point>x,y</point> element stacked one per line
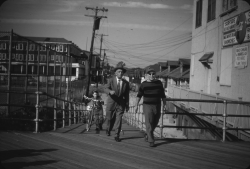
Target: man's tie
<point>118,86</point>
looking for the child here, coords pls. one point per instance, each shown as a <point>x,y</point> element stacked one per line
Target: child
<point>96,103</point>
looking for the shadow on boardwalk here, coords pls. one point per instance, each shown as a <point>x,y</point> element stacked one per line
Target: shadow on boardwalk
<point>74,147</point>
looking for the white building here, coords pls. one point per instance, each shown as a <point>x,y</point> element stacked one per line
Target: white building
<point>219,63</point>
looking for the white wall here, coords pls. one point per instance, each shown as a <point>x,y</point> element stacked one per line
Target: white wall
<point>208,38</point>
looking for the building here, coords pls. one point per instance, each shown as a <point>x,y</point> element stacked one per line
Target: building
<point>220,61</point>
<point>51,55</point>
<point>219,70</point>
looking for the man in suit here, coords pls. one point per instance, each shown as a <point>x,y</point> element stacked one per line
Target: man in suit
<point>117,90</point>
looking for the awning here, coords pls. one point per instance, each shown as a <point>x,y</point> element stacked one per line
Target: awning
<point>185,75</point>
<point>175,73</point>
<point>162,73</point>
<point>207,57</point>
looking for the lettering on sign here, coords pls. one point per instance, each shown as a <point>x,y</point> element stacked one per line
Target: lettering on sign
<point>248,17</point>
<point>247,37</point>
<point>230,26</point>
<point>241,54</point>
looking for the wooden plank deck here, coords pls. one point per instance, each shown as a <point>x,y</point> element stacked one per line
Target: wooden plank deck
<point>74,148</point>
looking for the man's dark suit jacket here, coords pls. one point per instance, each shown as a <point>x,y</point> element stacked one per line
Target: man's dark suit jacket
<point>113,100</point>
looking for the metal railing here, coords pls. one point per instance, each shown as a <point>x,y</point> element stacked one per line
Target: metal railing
<point>60,107</point>
<point>138,119</point>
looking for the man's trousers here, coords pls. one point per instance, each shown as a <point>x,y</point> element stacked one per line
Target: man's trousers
<point>152,116</point>
<point>116,120</point>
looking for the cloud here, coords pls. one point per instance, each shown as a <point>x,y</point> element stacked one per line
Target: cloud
<point>89,23</point>
<point>69,6</point>
<point>131,4</point>
<point>140,26</point>
<point>47,22</point>
<point>187,7</point>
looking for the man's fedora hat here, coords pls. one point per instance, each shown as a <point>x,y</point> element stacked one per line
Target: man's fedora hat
<point>120,66</point>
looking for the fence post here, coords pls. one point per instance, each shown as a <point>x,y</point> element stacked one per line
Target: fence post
<point>37,110</point>
<point>74,107</point>
<point>55,119</point>
<point>216,106</point>
<point>138,118</point>
<point>63,114</point>
<point>141,118</point>
<point>224,128</point>
<point>69,113</point>
<point>78,112</point>
<point>161,125</point>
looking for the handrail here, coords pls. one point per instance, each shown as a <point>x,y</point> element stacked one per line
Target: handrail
<point>131,118</point>
<point>77,108</point>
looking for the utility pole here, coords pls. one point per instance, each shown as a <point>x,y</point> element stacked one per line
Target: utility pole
<point>95,27</point>
<point>100,56</point>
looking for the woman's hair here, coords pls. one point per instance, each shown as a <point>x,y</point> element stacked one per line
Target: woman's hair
<point>95,91</point>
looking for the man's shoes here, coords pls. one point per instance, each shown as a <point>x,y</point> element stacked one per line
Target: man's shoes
<point>117,139</point>
<point>146,137</point>
<point>151,144</point>
<point>107,133</point>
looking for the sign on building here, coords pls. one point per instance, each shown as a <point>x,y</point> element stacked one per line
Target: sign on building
<point>241,54</point>
<point>236,29</point>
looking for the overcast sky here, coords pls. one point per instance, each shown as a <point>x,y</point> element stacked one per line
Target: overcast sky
<point>140,33</point>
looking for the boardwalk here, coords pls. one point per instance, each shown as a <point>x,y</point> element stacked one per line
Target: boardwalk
<point>74,148</point>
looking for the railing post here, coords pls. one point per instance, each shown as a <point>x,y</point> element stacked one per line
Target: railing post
<point>37,111</point>
<point>55,118</point>
<point>74,107</point>
<point>9,74</point>
<point>224,128</point>
<point>78,112</point>
<point>216,106</point>
<point>69,113</point>
<point>138,118</point>
<point>161,125</point>
<point>141,118</point>
<point>63,114</point>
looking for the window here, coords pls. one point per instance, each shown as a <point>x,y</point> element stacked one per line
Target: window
<point>198,13</point>
<point>52,57</point>
<point>60,48</point>
<point>4,56</point>
<point>43,48</point>
<point>31,57</point>
<point>13,56</point>
<point>211,10</point>
<point>32,47</point>
<point>65,48</point>
<point>229,4</point>
<point>57,48</point>
<point>52,47</point>
<point>3,46</point>
<point>19,46</point>
<point>20,57</point>
<point>42,58</point>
